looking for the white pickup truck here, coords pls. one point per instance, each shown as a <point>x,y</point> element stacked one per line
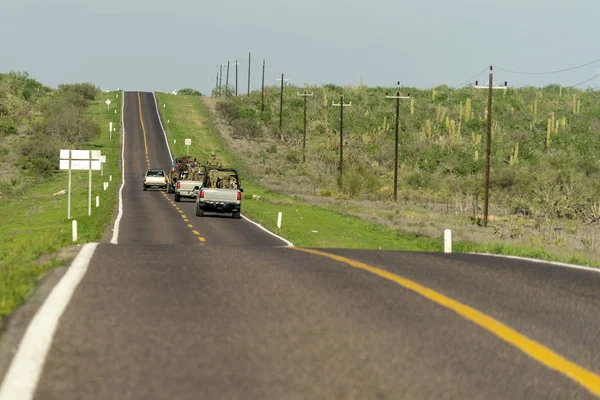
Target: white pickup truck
<point>220,192</point>
<point>186,187</point>
<point>155,178</point>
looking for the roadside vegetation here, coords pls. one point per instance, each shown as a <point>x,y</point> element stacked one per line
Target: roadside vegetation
<point>35,123</point>
<point>545,178</point>
<point>317,213</point>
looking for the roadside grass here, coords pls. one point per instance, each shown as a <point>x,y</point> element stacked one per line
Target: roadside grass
<point>304,223</point>
<point>35,223</point>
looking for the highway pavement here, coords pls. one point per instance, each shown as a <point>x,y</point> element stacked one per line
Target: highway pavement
<point>216,308</point>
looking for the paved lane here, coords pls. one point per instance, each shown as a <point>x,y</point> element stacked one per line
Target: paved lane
<point>164,316</point>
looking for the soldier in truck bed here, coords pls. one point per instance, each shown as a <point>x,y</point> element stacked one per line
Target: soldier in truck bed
<point>213,162</point>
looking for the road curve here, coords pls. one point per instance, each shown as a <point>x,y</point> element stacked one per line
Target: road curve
<point>165,315</point>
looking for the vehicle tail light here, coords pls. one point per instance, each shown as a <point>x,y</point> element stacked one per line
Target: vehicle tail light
<point>178,185</point>
<point>239,196</point>
<point>202,194</point>
<point>144,180</point>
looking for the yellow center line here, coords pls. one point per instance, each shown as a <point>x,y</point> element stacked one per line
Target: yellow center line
<point>180,212</point>
<point>190,226</point>
<point>201,239</point>
<point>184,216</point>
<point>142,121</point>
<point>186,220</point>
<point>196,232</point>
<point>535,350</point>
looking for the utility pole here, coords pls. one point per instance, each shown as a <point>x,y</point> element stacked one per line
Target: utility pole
<point>262,95</point>
<point>236,77</point>
<point>249,64</point>
<point>397,96</point>
<point>281,102</point>
<point>227,81</point>
<point>341,105</point>
<point>217,85</point>
<point>220,78</point>
<point>490,88</point>
<point>304,94</point>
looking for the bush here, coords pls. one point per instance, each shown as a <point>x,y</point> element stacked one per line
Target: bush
<point>189,92</point>
<point>246,129</point>
<point>67,121</point>
<point>85,90</point>
<point>39,155</point>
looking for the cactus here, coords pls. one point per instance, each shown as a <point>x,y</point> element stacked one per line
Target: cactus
<point>460,113</point>
<point>560,93</point>
<point>563,122</point>
<point>548,137</point>
<point>428,128</point>
<point>325,102</point>
<point>535,111</point>
<point>468,109</point>
<point>447,123</point>
<point>574,104</point>
<point>458,129</point>
<point>412,106</point>
<point>514,158</point>
<point>552,123</point>
<point>578,106</point>
<point>433,93</point>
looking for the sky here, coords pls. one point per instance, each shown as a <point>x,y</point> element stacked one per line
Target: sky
<point>167,45</point>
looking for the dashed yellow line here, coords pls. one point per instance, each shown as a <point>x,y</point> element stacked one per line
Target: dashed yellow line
<point>181,212</point>
<point>201,239</point>
<point>190,226</point>
<point>142,121</point>
<point>535,350</point>
<point>186,220</point>
<point>184,216</point>
<point>196,232</point>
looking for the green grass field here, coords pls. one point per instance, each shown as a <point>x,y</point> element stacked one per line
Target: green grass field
<point>306,224</point>
<point>35,223</point>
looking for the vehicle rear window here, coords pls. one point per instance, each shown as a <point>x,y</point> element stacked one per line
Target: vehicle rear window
<point>155,173</point>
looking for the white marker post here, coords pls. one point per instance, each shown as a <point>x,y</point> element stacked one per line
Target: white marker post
<point>102,161</point>
<point>74,225</point>
<point>97,201</point>
<point>447,241</point>
<point>110,129</point>
<point>108,104</point>
<point>279,217</point>
<point>110,178</point>
<point>188,143</point>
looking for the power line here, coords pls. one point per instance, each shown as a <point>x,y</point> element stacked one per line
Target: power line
<point>549,72</point>
<point>586,81</point>
<point>467,81</point>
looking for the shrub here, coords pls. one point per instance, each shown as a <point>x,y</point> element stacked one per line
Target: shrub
<point>85,90</point>
<point>189,92</point>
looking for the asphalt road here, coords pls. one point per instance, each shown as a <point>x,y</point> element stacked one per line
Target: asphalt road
<point>167,315</point>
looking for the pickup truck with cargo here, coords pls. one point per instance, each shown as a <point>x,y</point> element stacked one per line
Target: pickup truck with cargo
<point>220,192</point>
<point>188,184</point>
<point>155,178</point>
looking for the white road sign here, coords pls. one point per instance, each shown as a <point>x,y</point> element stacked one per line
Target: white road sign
<point>80,154</point>
<point>108,102</point>
<point>188,142</point>
<point>81,165</point>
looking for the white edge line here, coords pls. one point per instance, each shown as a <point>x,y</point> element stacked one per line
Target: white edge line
<point>536,260</point>
<point>26,367</point>
<point>287,242</point>
<point>115,238</point>
<point>162,127</point>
